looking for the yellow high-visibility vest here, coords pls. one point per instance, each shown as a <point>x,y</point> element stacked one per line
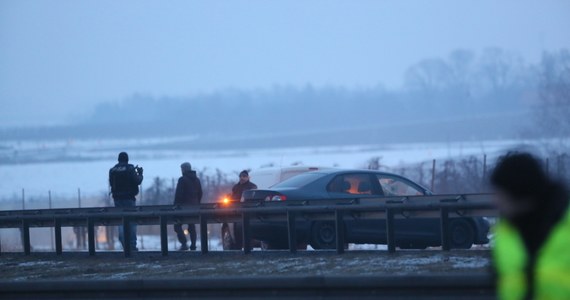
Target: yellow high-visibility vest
<point>552,268</point>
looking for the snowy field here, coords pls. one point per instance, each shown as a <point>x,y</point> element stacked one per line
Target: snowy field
<point>90,173</point>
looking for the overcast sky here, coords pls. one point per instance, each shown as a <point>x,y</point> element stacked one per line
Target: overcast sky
<point>60,58</point>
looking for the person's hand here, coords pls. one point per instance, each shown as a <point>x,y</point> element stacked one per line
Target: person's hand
<point>139,170</point>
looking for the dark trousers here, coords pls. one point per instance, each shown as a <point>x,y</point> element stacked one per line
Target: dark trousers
<point>182,237</point>
<point>133,238</point>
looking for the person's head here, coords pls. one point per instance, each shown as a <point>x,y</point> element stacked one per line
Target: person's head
<point>520,184</point>
<point>186,167</point>
<point>243,176</point>
<point>123,157</point>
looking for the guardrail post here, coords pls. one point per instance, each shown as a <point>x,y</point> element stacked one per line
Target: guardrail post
<point>339,226</point>
<point>91,236</point>
<point>163,235</point>
<point>246,234</point>
<point>292,230</point>
<point>444,222</point>
<point>57,237</point>
<point>204,233</point>
<point>390,230</point>
<point>26,237</point>
<point>127,236</point>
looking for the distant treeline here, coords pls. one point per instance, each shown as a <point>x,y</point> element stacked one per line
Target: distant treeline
<point>464,84</point>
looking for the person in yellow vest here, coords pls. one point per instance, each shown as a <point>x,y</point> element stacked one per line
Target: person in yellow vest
<point>532,239</point>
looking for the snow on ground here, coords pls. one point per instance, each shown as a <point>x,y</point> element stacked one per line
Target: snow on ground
<point>64,178</point>
<point>151,265</point>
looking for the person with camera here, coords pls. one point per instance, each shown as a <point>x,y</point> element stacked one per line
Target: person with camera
<point>188,192</point>
<point>124,180</point>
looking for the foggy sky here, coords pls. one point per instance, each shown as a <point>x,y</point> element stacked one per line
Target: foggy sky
<point>60,58</point>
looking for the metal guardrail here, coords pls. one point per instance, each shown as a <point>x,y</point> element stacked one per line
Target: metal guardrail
<point>443,207</point>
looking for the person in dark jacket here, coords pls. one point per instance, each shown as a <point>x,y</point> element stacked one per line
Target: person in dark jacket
<point>243,185</point>
<point>188,192</point>
<point>124,180</point>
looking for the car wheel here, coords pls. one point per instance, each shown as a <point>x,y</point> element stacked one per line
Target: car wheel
<point>461,234</point>
<point>323,235</point>
<point>227,240</point>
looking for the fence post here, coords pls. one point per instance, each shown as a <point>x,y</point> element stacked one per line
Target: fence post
<point>433,175</point>
<point>23,199</point>
<point>79,197</point>
<point>246,231</point>
<point>26,237</point>
<point>390,230</point>
<point>444,222</point>
<point>58,243</point>
<point>51,228</point>
<point>127,236</point>
<point>339,226</point>
<point>163,235</point>
<point>292,231</point>
<point>91,236</point>
<point>204,233</point>
<point>484,167</point>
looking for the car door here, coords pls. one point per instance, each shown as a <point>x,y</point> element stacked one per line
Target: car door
<point>413,231</point>
<point>357,186</point>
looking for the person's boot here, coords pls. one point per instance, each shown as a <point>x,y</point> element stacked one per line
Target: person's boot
<point>184,247</point>
<point>193,247</point>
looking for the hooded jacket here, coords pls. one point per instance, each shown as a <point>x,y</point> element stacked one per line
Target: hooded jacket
<point>188,189</point>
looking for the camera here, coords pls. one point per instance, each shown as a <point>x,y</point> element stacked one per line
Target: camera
<point>139,170</point>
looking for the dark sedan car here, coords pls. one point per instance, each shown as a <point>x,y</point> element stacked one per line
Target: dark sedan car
<point>415,233</point>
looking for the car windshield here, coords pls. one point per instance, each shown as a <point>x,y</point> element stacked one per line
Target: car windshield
<point>299,180</point>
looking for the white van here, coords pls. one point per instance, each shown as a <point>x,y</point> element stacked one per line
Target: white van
<point>263,178</point>
<point>266,177</point>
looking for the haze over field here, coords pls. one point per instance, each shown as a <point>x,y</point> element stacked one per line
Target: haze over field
<point>229,84</point>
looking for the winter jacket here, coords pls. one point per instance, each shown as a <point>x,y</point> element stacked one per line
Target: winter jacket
<point>239,188</point>
<point>124,181</point>
<point>188,189</point>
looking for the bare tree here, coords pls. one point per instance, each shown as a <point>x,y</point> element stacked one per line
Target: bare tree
<point>553,109</point>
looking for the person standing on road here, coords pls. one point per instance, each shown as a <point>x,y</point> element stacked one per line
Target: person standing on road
<point>188,192</point>
<point>243,185</point>
<point>532,239</point>
<point>124,180</point>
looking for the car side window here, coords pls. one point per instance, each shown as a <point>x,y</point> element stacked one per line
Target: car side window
<point>354,184</point>
<point>394,186</point>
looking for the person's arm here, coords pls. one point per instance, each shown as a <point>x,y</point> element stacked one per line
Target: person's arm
<point>234,192</point>
<point>111,178</point>
<point>199,191</point>
<point>179,192</point>
<point>138,178</point>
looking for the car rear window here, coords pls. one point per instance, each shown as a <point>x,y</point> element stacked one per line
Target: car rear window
<point>299,180</point>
